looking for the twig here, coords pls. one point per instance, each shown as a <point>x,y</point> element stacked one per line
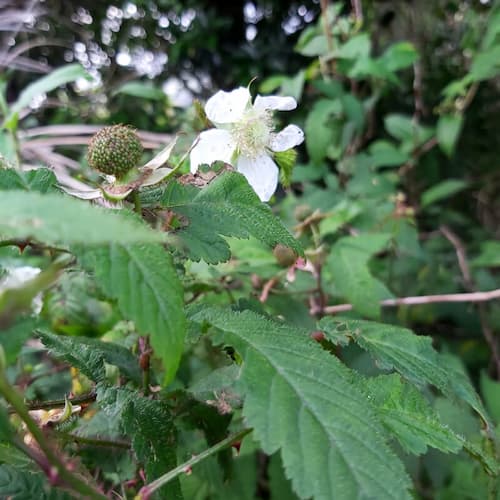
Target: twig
<point>147,490</point>
<point>488,334</point>
<point>58,403</point>
<point>424,299</point>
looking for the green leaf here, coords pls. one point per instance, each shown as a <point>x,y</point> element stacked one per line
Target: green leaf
<point>408,416</point>
<point>53,218</point>
<point>399,56</point>
<point>228,206</point>
<point>399,349</point>
<point>486,64</point>
<point>13,338</point>
<point>448,130</point>
<point>41,180</point>
<point>406,130</point>
<point>348,265</point>
<point>489,255</point>
<point>58,77</point>
<point>303,401</point>
<point>490,390</point>
<point>143,280</point>
<point>441,191</point>
<point>319,133</point>
<point>385,154</point>
<point>315,46</point>
<point>142,90</point>
<point>342,213</point>
<point>89,355</point>
<point>153,434</point>
<point>17,484</point>
<point>286,161</point>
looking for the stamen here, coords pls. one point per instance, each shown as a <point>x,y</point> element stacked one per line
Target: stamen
<point>252,133</point>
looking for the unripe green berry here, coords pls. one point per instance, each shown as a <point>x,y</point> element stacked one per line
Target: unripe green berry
<point>114,150</point>
<point>285,256</point>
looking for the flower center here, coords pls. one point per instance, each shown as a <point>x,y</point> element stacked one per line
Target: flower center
<point>253,132</point>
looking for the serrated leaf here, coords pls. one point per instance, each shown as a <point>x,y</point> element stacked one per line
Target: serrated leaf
<point>228,206</point>
<point>41,180</point>
<point>408,416</point>
<point>56,78</point>
<point>150,426</point>
<point>143,280</point>
<point>348,265</point>
<point>23,484</point>
<point>53,218</point>
<point>153,434</point>
<point>89,355</point>
<point>303,401</point>
<point>286,161</point>
<point>399,349</point>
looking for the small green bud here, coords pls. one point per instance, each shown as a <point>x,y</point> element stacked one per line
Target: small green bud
<point>284,255</point>
<point>114,150</point>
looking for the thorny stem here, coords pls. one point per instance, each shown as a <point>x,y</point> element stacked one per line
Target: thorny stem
<point>67,436</point>
<point>58,403</point>
<point>55,468</point>
<point>147,490</point>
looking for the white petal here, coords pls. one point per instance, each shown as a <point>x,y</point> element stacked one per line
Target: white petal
<point>261,173</point>
<point>212,145</point>
<point>227,107</point>
<point>275,102</point>
<point>288,138</point>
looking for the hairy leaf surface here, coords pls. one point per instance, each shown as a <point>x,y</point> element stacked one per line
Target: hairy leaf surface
<point>397,348</point>
<point>406,413</point>
<point>303,401</point>
<point>53,218</point>
<point>150,426</point>
<point>143,280</point>
<point>227,206</point>
<point>89,355</point>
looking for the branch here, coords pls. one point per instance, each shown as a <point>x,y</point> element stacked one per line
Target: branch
<point>424,299</point>
<point>488,334</point>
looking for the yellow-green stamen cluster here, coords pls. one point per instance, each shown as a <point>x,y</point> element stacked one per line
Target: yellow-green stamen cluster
<point>252,133</point>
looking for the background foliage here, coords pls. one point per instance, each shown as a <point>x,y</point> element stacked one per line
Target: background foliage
<point>211,346</point>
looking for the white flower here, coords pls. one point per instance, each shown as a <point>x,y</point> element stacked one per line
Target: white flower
<point>244,137</point>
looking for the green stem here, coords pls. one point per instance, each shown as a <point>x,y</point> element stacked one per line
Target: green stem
<point>58,403</point>
<point>147,490</point>
<point>58,471</point>
<point>67,436</point>
<point>137,202</point>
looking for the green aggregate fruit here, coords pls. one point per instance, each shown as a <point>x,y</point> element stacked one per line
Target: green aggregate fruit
<point>114,150</point>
